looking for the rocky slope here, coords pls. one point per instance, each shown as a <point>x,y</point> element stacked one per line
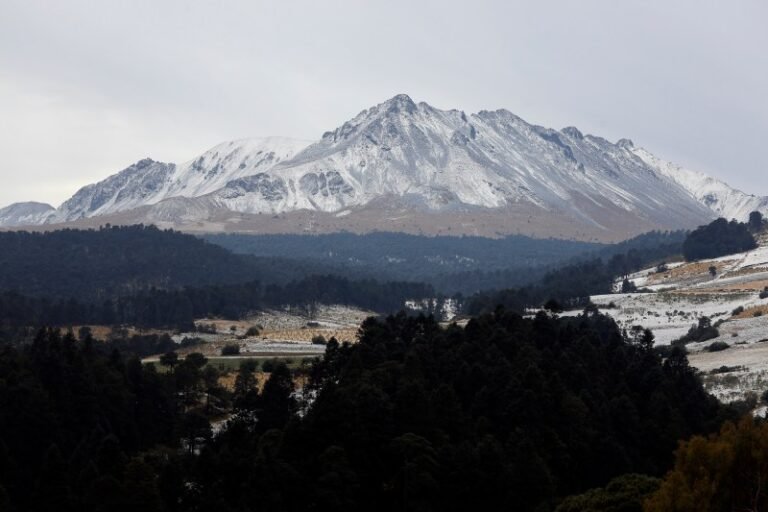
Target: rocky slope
<point>23,214</point>
<point>405,160</point>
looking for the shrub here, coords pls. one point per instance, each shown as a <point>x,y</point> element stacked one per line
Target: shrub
<point>191,342</point>
<point>230,350</point>
<point>757,314</point>
<point>625,493</point>
<point>318,340</point>
<point>717,346</point>
<point>628,286</point>
<point>252,331</point>
<point>697,333</point>
<point>739,310</point>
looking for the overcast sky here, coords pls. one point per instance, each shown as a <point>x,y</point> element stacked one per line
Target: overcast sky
<point>89,87</point>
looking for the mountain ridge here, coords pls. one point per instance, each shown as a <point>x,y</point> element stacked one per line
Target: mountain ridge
<point>425,161</point>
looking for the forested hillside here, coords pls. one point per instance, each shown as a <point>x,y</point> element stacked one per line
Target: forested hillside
<point>451,264</point>
<point>115,261</point>
<point>719,238</point>
<point>177,309</point>
<point>572,284</point>
<point>505,414</point>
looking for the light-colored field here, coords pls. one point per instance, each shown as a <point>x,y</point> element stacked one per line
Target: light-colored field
<point>685,293</point>
<point>285,332</point>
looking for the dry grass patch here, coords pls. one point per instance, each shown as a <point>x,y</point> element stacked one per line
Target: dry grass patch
<point>689,270</point>
<point>753,311</point>
<point>747,271</point>
<point>756,286</point>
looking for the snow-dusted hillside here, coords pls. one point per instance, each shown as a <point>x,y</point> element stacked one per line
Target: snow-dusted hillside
<point>24,214</point>
<point>685,292</point>
<point>423,159</point>
<point>148,182</point>
<point>716,195</point>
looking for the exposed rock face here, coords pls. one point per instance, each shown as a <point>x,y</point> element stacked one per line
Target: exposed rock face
<point>428,162</point>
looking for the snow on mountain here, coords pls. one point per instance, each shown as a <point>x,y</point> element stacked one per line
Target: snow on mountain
<point>414,157</point>
<point>229,161</point>
<point>25,214</point>
<point>141,183</point>
<point>148,182</point>
<point>718,196</point>
<point>446,160</point>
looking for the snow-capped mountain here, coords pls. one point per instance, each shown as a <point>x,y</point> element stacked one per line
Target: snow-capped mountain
<point>716,195</point>
<point>418,162</point>
<point>25,214</point>
<point>148,182</point>
<point>445,159</point>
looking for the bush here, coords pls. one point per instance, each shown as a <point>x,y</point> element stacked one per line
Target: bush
<point>318,340</point>
<point>697,333</point>
<point>252,331</point>
<point>757,314</point>
<point>717,346</point>
<point>625,493</point>
<point>191,342</point>
<point>230,350</point>
<point>764,293</point>
<point>739,310</point>
<point>628,286</point>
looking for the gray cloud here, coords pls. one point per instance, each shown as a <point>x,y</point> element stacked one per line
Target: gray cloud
<point>88,87</point>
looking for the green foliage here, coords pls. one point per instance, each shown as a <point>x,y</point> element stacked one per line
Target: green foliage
<point>717,346</point>
<point>465,264</point>
<point>572,284</point>
<point>156,308</point>
<point>623,494</point>
<point>628,286</point>
<point>231,349</point>
<point>73,422</point>
<point>114,261</point>
<point>702,331</point>
<point>505,414</point>
<point>719,238</point>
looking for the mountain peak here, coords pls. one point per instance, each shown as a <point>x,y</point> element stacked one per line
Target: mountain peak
<point>434,161</point>
<point>400,102</point>
<point>144,163</point>
<point>573,132</point>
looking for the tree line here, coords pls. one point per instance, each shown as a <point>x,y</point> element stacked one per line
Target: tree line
<point>177,309</point>
<point>505,413</point>
<point>571,285</point>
